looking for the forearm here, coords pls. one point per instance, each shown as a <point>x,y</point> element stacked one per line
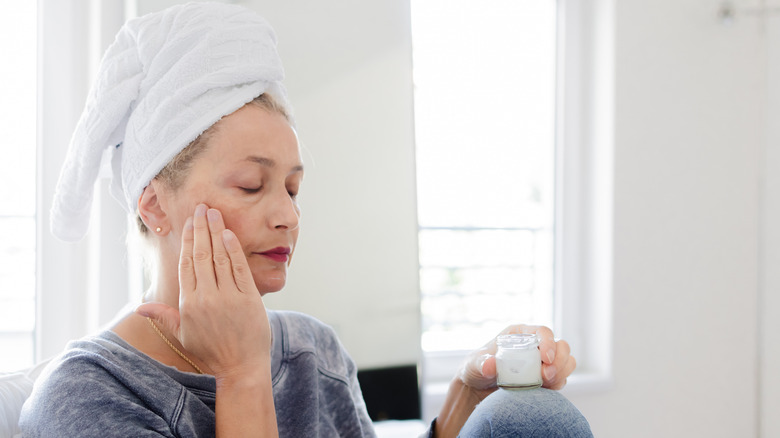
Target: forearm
<point>245,405</point>
<point>458,406</point>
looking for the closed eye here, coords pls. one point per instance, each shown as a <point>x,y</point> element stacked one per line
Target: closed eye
<point>251,189</point>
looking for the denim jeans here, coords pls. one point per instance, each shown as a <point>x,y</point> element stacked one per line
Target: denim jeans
<point>526,413</point>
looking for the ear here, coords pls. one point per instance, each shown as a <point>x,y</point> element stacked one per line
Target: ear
<point>152,210</point>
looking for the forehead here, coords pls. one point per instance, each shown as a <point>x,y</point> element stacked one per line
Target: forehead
<point>254,132</point>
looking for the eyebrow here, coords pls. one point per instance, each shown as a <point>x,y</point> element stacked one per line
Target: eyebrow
<point>267,162</point>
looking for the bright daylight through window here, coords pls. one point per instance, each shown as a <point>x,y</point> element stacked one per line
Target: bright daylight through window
<point>485,77</point>
<point>17,190</point>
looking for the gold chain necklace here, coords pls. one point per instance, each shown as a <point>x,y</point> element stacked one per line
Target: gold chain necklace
<point>176,350</point>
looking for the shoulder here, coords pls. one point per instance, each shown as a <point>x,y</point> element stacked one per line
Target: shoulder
<point>303,324</point>
<point>96,383</point>
<point>84,357</point>
<point>75,381</point>
<point>302,332</point>
<point>92,363</point>
<point>306,335</point>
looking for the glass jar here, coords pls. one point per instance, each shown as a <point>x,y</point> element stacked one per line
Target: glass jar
<point>518,361</point>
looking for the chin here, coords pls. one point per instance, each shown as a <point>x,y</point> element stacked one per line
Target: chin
<point>264,292</point>
<point>269,285</point>
<point>269,279</point>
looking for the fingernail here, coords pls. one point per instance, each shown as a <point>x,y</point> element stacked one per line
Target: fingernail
<point>200,210</point>
<point>551,355</point>
<point>481,363</point>
<point>549,372</point>
<point>227,238</point>
<point>213,215</point>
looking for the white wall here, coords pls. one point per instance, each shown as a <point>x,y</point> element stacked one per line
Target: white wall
<point>689,131</point>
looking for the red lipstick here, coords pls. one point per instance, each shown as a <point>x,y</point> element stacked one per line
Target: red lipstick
<point>278,254</point>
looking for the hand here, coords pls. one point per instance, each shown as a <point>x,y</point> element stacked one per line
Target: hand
<point>221,318</point>
<point>479,371</point>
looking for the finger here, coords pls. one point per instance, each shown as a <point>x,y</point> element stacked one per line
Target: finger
<point>489,370</point>
<point>562,353</point>
<point>549,373</point>
<point>165,315</point>
<point>242,275</point>
<point>222,268</point>
<point>479,371</point>
<point>563,371</point>
<point>492,346</point>
<point>201,250</point>
<point>547,345</point>
<point>563,366</point>
<point>186,268</point>
<point>569,368</point>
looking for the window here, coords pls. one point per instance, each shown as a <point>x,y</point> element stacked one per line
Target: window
<point>485,93</point>
<point>17,191</point>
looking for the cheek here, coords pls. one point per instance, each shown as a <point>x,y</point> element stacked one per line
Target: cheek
<point>191,197</point>
<point>235,221</point>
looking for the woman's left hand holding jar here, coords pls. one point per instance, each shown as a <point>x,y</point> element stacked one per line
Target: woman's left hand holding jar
<point>479,370</point>
<point>477,377</point>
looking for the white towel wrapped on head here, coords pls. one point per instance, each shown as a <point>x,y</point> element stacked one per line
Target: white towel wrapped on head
<point>167,78</point>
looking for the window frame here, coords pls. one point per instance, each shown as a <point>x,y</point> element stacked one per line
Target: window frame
<point>584,205</point>
<point>585,193</point>
<point>20,216</point>
<point>73,35</point>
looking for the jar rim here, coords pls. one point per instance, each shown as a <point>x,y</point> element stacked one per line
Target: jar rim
<point>518,340</point>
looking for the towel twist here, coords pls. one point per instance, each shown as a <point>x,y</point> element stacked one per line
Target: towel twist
<point>167,77</point>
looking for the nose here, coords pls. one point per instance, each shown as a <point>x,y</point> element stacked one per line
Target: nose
<point>284,214</point>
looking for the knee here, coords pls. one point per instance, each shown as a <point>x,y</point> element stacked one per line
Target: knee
<point>526,413</point>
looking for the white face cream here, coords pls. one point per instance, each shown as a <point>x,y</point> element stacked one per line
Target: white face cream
<point>518,361</point>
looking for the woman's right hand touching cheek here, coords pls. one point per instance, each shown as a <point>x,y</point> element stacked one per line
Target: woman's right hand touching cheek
<point>221,318</point>
<point>222,322</point>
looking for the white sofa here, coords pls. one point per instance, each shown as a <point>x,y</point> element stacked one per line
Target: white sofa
<point>14,390</point>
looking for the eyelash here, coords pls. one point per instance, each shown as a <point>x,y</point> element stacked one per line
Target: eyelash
<point>293,195</point>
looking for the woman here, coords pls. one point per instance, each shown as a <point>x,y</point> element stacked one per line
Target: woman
<point>189,103</point>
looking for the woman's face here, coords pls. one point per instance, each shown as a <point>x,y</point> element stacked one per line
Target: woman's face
<point>251,171</point>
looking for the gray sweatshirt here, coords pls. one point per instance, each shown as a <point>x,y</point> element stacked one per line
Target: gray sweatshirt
<point>101,386</point>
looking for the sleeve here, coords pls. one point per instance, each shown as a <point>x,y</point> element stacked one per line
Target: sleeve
<point>360,405</point>
<point>325,381</point>
<point>356,394</point>
<point>78,398</point>
<point>430,432</point>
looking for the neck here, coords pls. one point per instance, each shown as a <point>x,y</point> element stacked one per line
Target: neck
<point>164,286</point>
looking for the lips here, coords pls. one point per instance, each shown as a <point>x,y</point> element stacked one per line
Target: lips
<point>278,254</point>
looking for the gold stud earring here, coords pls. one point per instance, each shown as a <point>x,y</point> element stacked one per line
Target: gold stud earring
<point>159,229</point>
